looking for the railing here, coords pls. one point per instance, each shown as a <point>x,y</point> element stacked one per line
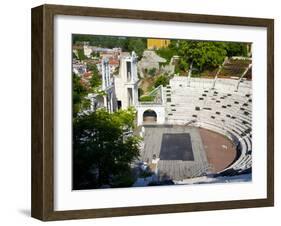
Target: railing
<point>157,95</point>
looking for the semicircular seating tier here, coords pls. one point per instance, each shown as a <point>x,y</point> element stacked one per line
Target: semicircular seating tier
<point>224,107</point>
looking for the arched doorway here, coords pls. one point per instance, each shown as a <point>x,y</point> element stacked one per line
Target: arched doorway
<point>149,116</point>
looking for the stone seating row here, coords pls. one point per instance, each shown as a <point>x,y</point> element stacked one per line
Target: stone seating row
<point>222,110</point>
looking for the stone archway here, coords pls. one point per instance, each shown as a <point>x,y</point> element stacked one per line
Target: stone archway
<point>156,112</point>
<point>149,116</point>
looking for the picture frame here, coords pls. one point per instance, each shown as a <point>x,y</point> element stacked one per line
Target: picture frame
<point>43,182</point>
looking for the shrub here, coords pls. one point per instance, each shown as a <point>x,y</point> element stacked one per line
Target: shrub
<point>162,80</point>
<point>146,98</point>
<point>152,71</point>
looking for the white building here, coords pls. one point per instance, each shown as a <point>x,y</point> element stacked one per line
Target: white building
<point>87,50</point>
<point>110,101</point>
<point>121,91</point>
<point>79,68</point>
<point>126,82</point>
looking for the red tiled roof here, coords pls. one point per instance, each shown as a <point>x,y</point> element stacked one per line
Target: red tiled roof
<point>114,61</point>
<point>87,74</point>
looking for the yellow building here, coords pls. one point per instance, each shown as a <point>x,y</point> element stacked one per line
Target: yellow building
<point>153,43</point>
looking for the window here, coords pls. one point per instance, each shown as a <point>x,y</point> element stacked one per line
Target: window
<point>119,104</point>
<point>128,64</point>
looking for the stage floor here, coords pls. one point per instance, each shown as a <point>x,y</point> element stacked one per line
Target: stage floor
<point>179,148</point>
<point>176,146</point>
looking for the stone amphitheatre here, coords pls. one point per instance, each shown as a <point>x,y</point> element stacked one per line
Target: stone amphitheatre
<point>199,128</point>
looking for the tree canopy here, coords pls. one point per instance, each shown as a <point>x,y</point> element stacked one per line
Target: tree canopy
<point>137,45</point>
<point>95,80</point>
<point>81,55</point>
<point>102,153</point>
<point>79,92</point>
<point>126,43</point>
<point>236,49</point>
<point>202,54</point>
<point>166,53</point>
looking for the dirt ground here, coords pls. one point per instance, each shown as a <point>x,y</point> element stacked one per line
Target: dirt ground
<point>146,84</point>
<point>219,149</point>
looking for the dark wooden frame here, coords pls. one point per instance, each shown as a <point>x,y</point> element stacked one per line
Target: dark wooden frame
<point>42,203</point>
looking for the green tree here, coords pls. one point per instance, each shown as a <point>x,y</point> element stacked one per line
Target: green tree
<point>79,93</point>
<point>93,68</point>
<point>127,44</point>
<point>182,65</point>
<point>101,41</point>
<point>137,45</point>
<point>102,154</point>
<point>152,71</point>
<point>95,80</point>
<point>81,55</point>
<point>166,53</point>
<point>203,54</point>
<point>162,80</point>
<point>236,49</point>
